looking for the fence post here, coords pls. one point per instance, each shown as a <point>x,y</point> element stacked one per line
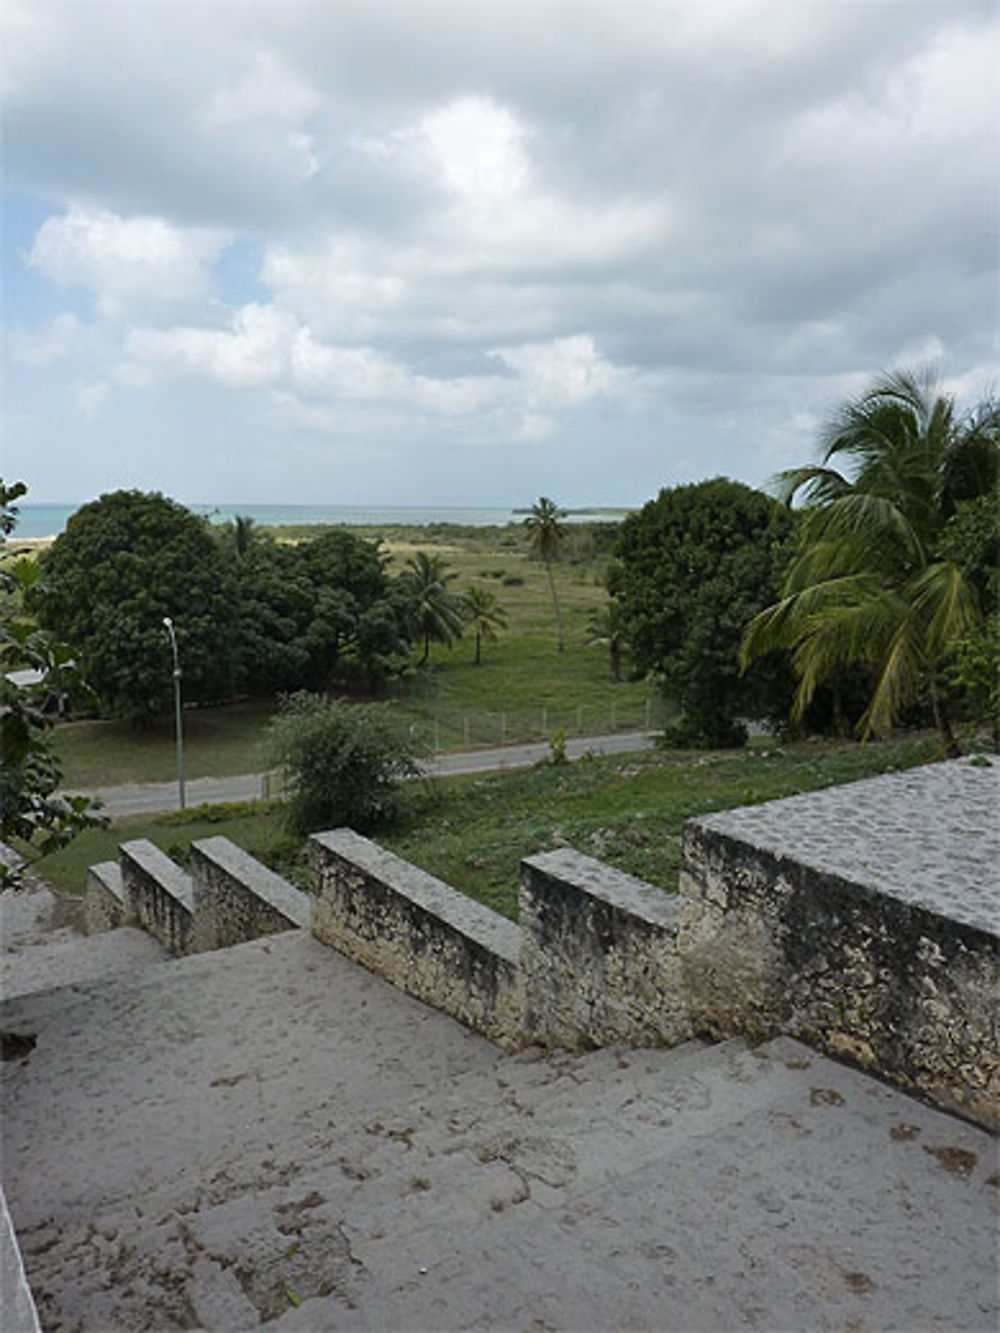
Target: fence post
<point>465,730</point>
<point>647,711</point>
<point>614,717</point>
<point>579,719</point>
<point>545,721</point>
<point>503,728</point>
<point>437,735</point>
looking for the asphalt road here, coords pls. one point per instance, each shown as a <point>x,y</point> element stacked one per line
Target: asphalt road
<point>138,798</point>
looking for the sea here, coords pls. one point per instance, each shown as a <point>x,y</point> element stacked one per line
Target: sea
<point>48,520</point>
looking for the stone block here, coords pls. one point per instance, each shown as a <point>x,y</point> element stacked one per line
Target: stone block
<point>417,932</point>
<point>599,959</point>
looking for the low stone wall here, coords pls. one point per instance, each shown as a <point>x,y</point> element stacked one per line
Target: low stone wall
<point>104,901</point>
<point>599,961</point>
<point>862,920</point>
<point>236,898</point>
<point>417,932</point>
<point>158,895</point>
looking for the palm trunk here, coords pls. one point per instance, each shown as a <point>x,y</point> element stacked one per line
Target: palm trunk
<point>427,649</point>
<point>942,721</point>
<point>555,603</point>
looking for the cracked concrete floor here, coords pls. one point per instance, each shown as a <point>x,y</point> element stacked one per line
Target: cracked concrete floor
<point>271,1135</point>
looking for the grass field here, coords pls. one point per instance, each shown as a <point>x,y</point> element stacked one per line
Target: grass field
<point>524,690</point>
<point>474,831</point>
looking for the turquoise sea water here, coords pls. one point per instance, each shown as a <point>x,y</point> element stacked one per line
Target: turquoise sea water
<point>49,520</point>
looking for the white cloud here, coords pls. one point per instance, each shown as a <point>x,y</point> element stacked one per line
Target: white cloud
<point>126,261</point>
<point>566,372</point>
<point>50,344</point>
<point>254,351</point>
<point>266,91</point>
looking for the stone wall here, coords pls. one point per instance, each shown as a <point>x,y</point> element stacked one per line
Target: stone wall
<point>158,895</point>
<point>599,961</point>
<point>104,901</point>
<point>237,899</point>
<point>416,931</point>
<point>862,920</point>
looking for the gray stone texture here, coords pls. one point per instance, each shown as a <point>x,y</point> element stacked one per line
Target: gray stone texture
<point>863,920</point>
<point>232,1134</point>
<point>416,931</point>
<point>158,895</point>
<point>599,960</point>
<point>104,899</point>
<point>238,899</point>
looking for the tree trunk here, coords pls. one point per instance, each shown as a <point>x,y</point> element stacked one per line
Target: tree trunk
<point>555,603</point>
<point>478,637</point>
<point>427,649</point>
<point>942,721</point>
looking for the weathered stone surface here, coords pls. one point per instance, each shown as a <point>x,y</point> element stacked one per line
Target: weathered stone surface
<point>862,919</point>
<point>599,959</point>
<point>417,932</point>
<point>104,903</point>
<point>237,899</point>
<point>158,895</point>
<point>17,1305</point>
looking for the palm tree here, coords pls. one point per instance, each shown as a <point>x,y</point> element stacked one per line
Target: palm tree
<point>436,614</point>
<point>606,628</point>
<point>485,614</point>
<point>545,534</point>
<point>871,582</point>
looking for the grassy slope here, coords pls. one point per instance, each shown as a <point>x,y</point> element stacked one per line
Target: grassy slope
<point>473,832</point>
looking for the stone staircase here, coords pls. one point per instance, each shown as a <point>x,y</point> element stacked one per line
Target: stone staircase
<point>271,1134</point>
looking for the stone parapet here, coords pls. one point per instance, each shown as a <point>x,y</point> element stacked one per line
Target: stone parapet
<point>599,961</point>
<point>104,901</point>
<point>158,895</point>
<point>417,932</point>
<point>860,921</point>
<point>236,898</point>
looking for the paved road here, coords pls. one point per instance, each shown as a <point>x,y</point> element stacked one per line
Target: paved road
<point>138,798</point>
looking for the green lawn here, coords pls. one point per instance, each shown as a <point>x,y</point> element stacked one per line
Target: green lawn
<point>473,831</point>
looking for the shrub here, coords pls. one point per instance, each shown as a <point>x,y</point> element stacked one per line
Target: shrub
<point>342,762</point>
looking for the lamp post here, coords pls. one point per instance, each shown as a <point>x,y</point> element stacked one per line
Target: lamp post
<point>179,723</point>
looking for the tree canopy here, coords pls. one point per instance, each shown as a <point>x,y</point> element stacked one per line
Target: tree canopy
<point>692,567</point>
<point>873,581</point>
<point>124,562</point>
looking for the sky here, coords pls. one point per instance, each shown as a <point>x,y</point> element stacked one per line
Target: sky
<point>424,252</point>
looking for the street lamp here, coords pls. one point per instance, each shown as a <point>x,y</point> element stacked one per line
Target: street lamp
<point>177,709</point>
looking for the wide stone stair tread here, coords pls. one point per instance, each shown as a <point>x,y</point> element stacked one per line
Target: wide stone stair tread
<point>67,959</point>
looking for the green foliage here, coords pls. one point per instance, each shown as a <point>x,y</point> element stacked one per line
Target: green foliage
<point>436,613</point>
<point>606,629</point>
<point>342,762</point>
<point>485,614</point>
<point>875,581</point>
<point>557,748</point>
<point>545,537</point>
<point>125,562</point>
<point>692,567</point>
<point>31,809</point>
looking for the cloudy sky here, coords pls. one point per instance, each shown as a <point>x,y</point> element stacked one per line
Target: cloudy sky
<point>469,253</point>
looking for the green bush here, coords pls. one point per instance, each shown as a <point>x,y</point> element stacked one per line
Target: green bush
<point>342,763</point>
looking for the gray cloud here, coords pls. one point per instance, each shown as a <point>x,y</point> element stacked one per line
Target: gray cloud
<point>725,215</point>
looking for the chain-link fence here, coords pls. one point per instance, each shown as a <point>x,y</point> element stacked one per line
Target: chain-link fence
<point>442,728</point>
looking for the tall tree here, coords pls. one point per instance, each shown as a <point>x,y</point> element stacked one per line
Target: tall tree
<point>691,568</point>
<point>485,615</point>
<point>124,562</point>
<point>545,536</point>
<point>872,581</point>
<point>435,611</point>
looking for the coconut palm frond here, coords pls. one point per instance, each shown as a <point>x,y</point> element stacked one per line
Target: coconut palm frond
<point>899,677</point>
<point>945,604</point>
<point>817,485</point>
